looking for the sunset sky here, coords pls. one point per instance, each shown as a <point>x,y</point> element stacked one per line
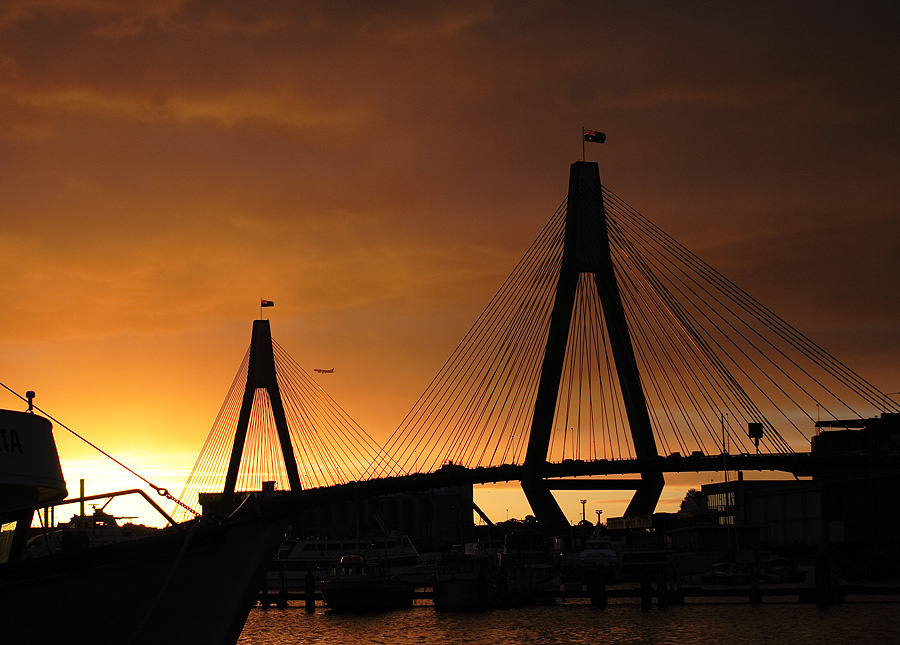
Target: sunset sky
<point>377,169</point>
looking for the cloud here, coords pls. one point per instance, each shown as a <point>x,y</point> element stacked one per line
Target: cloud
<point>378,168</point>
<point>227,110</point>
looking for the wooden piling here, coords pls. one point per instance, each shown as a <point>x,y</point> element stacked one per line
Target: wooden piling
<point>310,593</point>
<point>755,593</point>
<point>597,589</point>
<point>282,589</point>
<point>646,590</point>
<point>264,595</point>
<point>662,588</point>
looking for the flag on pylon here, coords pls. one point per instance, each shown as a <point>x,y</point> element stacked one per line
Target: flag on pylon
<point>266,303</point>
<point>593,136</point>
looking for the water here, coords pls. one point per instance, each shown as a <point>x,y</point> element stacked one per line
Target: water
<point>577,622</point>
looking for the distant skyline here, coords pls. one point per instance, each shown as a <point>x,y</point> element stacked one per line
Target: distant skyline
<point>376,170</point>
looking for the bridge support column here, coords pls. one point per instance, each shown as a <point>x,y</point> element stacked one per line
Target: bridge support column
<point>646,494</point>
<point>550,516</point>
<point>261,375</point>
<point>586,250</point>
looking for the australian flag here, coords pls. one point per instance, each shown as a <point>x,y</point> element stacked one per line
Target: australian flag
<point>266,303</point>
<point>593,136</point>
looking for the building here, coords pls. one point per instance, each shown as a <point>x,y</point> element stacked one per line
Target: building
<point>846,512</point>
<point>435,519</point>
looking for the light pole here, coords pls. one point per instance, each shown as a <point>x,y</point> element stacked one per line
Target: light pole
<point>583,502</point>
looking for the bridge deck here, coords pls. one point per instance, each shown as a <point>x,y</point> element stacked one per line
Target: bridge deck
<point>797,464</point>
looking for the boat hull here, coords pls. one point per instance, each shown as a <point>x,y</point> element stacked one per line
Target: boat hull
<point>461,592</point>
<point>298,557</point>
<point>364,596</point>
<point>30,473</point>
<point>194,585</point>
<point>461,582</point>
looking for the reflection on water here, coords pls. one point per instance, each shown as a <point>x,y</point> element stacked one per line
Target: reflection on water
<point>574,622</point>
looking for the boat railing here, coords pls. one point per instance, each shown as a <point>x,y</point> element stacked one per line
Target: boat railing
<point>90,498</point>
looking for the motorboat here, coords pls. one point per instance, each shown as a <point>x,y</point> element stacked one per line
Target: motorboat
<point>598,552</point>
<point>723,573</point>
<point>193,582</point>
<point>82,531</point>
<point>30,477</point>
<point>358,585</point>
<point>463,581</point>
<point>526,571</point>
<point>319,555</point>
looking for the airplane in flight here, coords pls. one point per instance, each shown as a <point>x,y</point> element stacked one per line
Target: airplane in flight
<point>321,371</point>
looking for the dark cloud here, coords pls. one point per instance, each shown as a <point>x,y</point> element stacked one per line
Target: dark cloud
<point>377,168</point>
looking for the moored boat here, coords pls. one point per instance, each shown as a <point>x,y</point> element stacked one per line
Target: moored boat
<point>194,582</point>
<point>85,531</point>
<point>598,552</point>
<point>462,581</point>
<point>297,557</point>
<point>358,585</point>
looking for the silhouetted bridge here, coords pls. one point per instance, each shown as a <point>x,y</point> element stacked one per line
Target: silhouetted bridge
<point>798,464</point>
<point>609,346</point>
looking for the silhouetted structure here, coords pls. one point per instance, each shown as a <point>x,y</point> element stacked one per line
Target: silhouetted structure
<point>261,375</point>
<point>608,340</point>
<point>845,516</point>
<point>586,251</point>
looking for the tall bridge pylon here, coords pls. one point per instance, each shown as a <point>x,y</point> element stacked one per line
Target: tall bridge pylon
<point>261,375</point>
<point>586,250</point>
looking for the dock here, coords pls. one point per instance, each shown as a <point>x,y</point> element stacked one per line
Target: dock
<point>650,595</point>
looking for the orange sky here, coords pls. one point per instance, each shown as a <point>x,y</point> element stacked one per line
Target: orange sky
<point>378,169</point>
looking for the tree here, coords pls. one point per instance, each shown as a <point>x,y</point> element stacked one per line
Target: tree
<point>694,501</point>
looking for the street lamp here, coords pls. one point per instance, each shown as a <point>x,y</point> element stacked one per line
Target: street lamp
<point>583,502</point>
<point>887,396</point>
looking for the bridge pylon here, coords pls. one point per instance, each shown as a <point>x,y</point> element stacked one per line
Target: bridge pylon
<point>586,250</point>
<point>261,375</point>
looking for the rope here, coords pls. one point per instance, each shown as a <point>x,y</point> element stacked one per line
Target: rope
<point>159,489</point>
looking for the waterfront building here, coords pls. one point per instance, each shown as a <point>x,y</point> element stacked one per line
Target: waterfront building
<point>847,515</point>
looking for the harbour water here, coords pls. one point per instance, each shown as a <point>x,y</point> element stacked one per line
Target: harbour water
<point>576,622</point>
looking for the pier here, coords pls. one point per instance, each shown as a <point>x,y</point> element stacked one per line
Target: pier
<point>649,596</point>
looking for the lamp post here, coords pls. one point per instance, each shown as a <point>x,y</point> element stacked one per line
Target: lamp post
<point>887,396</point>
<point>583,502</point>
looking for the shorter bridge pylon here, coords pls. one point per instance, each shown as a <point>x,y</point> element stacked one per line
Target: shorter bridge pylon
<point>261,375</point>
